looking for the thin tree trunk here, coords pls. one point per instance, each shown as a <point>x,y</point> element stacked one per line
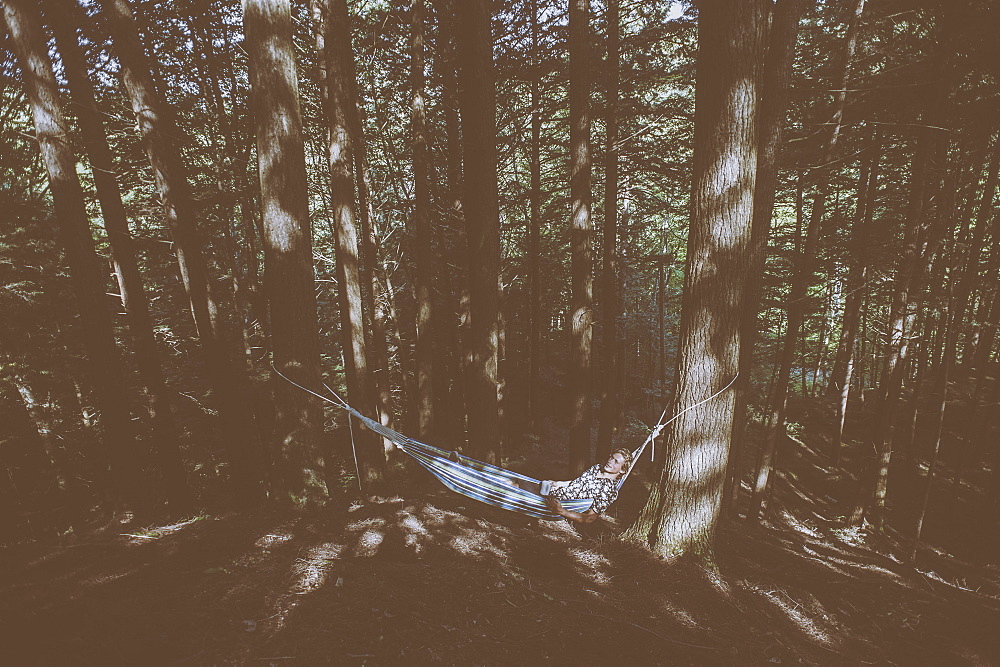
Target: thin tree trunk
<point>581,239</point>
<point>950,324</point>
<point>105,369</point>
<point>481,208</point>
<point>382,307</point>
<point>921,243</point>
<point>340,155</point>
<point>843,368</point>
<point>802,277</point>
<point>775,78</point>
<point>612,406</point>
<point>534,226</point>
<point>424,259</point>
<point>159,132</point>
<point>165,436</point>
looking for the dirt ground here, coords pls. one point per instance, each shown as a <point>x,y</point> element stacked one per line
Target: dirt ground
<point>431,577</point>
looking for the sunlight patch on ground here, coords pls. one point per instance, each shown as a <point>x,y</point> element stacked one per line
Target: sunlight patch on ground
<point>309,574</point>
<point>369,543</point>
<point>843,559</point>
<point>263,545</point>
<point>414,532</point>
<point>681,615</point>
<point>591,565</point>
<point>312,570</point>
<point>798,614</point>
<point>852,535</point>
<point>149,533</point>
<point>475,543</point>
<point>372,534</point>
<point>105,578</point>
<point>272,540</point>
<point>559,530</point>
<point>800,526</point>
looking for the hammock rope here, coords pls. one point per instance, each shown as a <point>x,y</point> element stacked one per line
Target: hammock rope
<point>477,479</point>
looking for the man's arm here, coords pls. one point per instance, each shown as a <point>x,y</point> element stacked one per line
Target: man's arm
<point>589,516</point>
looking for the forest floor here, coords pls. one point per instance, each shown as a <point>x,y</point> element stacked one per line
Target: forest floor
<point>430,577</point>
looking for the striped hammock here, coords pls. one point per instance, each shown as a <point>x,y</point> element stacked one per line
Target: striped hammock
<point>482,481</point>
<point>479,480</point>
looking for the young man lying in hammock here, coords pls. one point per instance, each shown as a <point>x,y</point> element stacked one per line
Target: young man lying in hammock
<point>599,483</point>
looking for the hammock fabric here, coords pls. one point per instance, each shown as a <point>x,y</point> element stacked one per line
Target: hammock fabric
<point>482,481</point>
<point>477,480</point>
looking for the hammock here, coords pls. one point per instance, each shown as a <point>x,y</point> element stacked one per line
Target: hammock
<point>482,481</point>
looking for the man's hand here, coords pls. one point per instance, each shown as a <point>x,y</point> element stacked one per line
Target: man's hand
<point>576,517</point>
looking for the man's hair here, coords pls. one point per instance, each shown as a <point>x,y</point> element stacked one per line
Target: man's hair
<point>627,454</point>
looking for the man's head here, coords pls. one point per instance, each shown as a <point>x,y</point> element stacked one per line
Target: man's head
<point>619,462</point>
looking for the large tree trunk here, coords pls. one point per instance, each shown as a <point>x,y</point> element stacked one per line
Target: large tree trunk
<point>581,239</point>
<point>682,511</point>
<point>159,132</point>
<point>775,77</point>
<point>106,372</point>
<point>478,111</point>
<point>458,322</point>
<point>424,272</point>
<point>612,406</point>
<point>164,433</point>
<point>288,269</point>
<point>802,276</point>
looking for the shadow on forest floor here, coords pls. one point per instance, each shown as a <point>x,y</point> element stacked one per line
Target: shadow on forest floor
<point>436,578</point>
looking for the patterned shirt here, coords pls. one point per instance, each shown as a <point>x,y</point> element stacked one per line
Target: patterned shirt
<point>604,491</point>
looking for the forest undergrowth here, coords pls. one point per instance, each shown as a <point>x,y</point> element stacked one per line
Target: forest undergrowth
<point>427,576</point>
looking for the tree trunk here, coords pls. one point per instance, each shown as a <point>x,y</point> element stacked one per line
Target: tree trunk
<point>775,77</point>
<point>843,367</point>
<point>937,429</point>
<point>534,227</point>
<point>165,436</point>
<point>158,132</point>
<point>581,239</point>
<point>481,208</point>
<point>382,307</point>
<point>424,260</point>
<point>612,406</point>
<point>105,369</point>
<point>802,277</point>
<point>923,236</point>
<point>682,511</point>
<point>288,269</point>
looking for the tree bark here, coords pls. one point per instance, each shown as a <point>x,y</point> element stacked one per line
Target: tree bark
<point>424,272</point>
<point>612,405</point>
<point>288,268</point>
<point>481,207</point>
<point>158,133</point>
<point>857,276</point>
<point>581,239</point>
<point>802,277</point>
<point>682,511</point>
<point>534,227</point>
<point>106,372</point>
<point>922,239</point>
<point>165,436</point>
<point>775,77</point>
<point>382,306</point>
